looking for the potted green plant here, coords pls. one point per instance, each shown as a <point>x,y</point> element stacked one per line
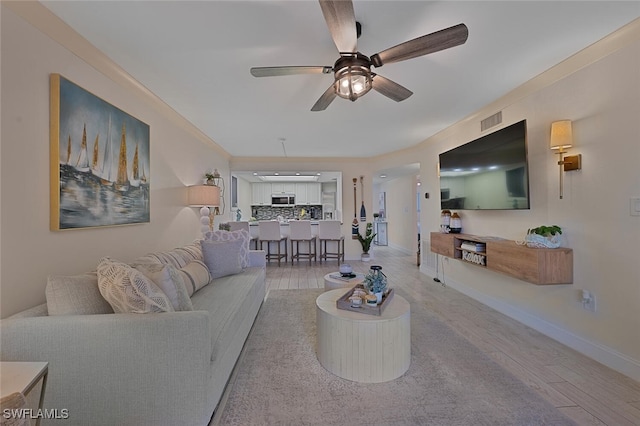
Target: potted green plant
<point>544,236</point>
<point>209,177</point>
<point>366,240</point>
<point>375,282</point>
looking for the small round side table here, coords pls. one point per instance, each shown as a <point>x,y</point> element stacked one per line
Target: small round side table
<point>331,283</point>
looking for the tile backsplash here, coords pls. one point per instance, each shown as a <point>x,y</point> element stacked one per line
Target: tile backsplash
<point>269,212</point>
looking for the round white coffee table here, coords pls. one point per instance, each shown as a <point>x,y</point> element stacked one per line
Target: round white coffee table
<point>361,347</point>
<point>331,283</point>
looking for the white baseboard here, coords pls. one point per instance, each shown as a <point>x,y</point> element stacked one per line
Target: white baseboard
<point>605,355</point>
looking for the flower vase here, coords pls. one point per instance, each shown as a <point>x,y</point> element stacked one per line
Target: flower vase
<point>378,297</point>
<point>365,257</point>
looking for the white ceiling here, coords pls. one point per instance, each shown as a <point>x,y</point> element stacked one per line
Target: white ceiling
<point>196,56</point>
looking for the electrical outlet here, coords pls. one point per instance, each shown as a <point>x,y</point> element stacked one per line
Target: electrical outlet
<point>588,301</point>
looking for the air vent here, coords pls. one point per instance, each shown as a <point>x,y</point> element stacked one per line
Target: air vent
<point>491,121</point>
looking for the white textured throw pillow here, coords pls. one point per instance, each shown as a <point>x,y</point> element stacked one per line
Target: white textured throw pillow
<point>167,278</point>
<point>75,295</point>
<point>222,257</point>
<point>240,234</point>
<point>128,291</point>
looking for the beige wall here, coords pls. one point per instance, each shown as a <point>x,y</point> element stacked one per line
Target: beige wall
<point>30,251</point>
<point>602,97</point>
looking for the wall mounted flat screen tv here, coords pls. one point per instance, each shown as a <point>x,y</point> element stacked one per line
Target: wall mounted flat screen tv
<point>489,173</point>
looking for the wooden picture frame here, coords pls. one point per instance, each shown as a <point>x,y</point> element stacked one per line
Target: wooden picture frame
<point>99,161</point>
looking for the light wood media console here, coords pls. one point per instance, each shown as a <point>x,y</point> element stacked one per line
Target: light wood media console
<point>539,266</point>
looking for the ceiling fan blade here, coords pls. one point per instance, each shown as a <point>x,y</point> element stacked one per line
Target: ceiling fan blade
<point>279,71</point>
<point>341,21</point>
<point>430,43</point>
<point>390,88</point>
<point>325,100</point>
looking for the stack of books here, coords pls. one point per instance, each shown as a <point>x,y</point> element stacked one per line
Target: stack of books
<point>473,246</point>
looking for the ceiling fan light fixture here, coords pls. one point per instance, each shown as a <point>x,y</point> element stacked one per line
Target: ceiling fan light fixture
<point>352,71</point>
<point>352,76</point>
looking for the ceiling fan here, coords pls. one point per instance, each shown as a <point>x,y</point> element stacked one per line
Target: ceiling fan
<point>353,77</point>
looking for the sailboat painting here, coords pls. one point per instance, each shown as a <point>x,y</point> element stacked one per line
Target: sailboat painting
<point>100,163</point>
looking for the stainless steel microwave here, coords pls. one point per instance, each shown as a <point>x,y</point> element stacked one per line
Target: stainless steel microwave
<point>283,200</point>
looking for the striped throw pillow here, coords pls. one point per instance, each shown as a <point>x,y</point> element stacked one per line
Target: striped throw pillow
<point>195,275</point>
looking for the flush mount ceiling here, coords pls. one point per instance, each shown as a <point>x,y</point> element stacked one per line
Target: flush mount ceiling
<point>353,77</point>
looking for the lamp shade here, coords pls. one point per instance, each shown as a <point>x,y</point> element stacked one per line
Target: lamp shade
<point>561,135</point>
<point>204,195</point>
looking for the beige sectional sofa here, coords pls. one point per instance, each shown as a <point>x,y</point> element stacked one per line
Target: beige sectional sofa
<point>166,368</point>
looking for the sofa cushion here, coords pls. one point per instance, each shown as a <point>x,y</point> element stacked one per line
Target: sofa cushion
<point>229,302</point>
<point>195,276</point>
<point>222,257</point>
<point>170,282</point>
<point>75,295</point>
<point>128,291</point>
<point>240,234</point>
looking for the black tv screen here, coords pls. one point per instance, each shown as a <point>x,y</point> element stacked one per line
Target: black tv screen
<point>489,173</point>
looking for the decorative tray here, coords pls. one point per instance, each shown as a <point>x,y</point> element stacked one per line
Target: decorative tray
<point>365,308</point>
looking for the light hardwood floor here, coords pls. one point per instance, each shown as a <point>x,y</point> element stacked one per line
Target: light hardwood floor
<point>583,389</point>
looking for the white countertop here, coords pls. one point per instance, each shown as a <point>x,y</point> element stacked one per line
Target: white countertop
<point>284,223</point>
<point>284,228</point>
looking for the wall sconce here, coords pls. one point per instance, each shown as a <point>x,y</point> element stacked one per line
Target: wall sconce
<point>208,198</point>
<point>562,139</point>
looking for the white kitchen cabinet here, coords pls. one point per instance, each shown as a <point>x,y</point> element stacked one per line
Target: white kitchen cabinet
<point>261,194</point>
<point>301,194</point>
<point>308,193</point>
<point>314,193</point>
<point>283,188</point>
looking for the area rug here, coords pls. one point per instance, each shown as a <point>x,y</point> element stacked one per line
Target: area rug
<point>279,381</point>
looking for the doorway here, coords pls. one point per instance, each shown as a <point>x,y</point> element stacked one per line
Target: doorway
<point>398,187</point>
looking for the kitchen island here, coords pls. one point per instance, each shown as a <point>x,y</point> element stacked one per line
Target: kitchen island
<point>284,231</point>
<point>284,228</point>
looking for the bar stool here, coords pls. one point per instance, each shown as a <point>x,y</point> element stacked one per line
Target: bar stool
<point>269,232</point>
<point>236,226</point>
<point>300,231</point>
<point>331,231</point>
